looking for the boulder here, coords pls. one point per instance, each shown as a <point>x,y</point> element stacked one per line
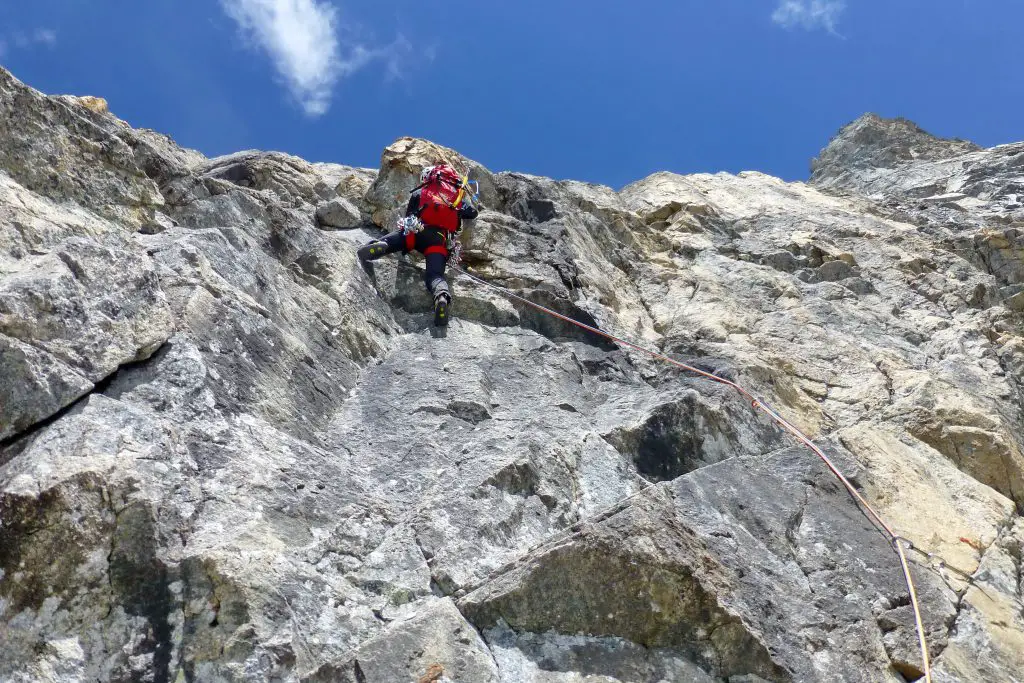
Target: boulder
<point>338,213</point>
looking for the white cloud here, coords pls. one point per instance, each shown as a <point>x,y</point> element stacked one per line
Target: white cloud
<point>809,14</point>
<point>398,58</point>
<point>23,41</point>
<point>301,37</point>
<point>45,36</point>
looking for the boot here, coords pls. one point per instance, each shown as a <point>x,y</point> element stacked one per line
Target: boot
<point>372,251</point>
<point>441,302</point>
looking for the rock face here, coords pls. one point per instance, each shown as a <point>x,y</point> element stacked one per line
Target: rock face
<point>228,453</point>
<point>873,145</point>
<point>338,213</point>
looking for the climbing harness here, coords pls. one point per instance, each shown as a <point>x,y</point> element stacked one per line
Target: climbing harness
<point>896,540</point>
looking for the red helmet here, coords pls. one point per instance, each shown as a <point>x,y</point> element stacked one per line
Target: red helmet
<point>442,172</point>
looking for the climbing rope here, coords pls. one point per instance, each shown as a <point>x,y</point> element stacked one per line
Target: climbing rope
<point>896,540</point>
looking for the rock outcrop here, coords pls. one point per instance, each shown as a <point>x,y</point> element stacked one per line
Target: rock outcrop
<point>228,453</point>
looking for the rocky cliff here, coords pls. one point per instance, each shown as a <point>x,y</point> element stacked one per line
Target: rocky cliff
<point>230,454</point>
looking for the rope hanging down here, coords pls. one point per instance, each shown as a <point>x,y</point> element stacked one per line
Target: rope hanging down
<point>896,540</point>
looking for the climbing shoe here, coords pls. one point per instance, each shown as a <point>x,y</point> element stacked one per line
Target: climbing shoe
<point>441,304</point>
<point>371,251</point>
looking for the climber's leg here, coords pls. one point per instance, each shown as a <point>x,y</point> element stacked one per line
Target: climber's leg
<point>437,285</point>
<point>388,244</point>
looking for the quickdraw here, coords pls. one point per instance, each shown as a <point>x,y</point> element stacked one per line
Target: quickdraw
<point>409,225</point>
<point>454,250</point>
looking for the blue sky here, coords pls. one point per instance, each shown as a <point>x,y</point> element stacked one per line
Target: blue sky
<point>600,90</point>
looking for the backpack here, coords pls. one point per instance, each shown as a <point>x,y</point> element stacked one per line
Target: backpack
<point>440,194</point>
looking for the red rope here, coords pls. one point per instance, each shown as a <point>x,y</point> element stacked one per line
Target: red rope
<point>757,404</point>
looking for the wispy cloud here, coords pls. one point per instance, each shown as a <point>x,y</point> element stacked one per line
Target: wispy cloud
<point>45,36</point>
<point>302,39</point>
<point>20,40</point>
<point>809,14</point>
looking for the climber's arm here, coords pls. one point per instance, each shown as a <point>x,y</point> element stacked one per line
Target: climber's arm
<point>413,207</point>
<point>468,212</point>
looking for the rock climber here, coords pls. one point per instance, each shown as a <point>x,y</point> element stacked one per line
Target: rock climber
<point>432,222</point>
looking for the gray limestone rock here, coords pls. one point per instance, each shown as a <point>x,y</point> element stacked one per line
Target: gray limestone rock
<point>338,213</point>
<point>872,143</point>
<point>228,452</point>
<point>434,644</point>
<point>69,319</point>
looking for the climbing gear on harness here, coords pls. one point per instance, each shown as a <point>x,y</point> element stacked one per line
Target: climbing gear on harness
<point>409,224</point>
<point>371,251</point>
<point>895,540</point>
<point>454,250</point>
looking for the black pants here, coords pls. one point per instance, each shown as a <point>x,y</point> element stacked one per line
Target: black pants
<point>430,242</point>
